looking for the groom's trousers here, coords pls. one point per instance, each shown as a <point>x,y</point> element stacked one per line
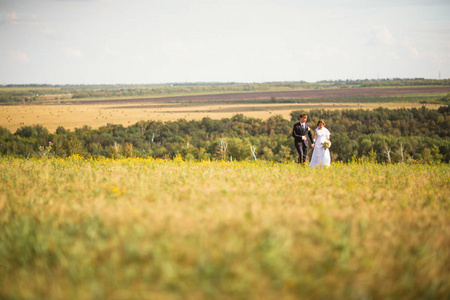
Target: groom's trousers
<point>302,150</point>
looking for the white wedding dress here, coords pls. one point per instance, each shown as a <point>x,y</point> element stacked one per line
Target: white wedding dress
<point>320,156</point>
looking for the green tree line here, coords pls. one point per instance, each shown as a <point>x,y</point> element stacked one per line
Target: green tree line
<point>381,135</point>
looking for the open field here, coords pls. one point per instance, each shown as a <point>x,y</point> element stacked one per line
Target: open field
<point>38,94</point>
<point>155,229</point>
<point>75,116</point>
<point>298,94</point>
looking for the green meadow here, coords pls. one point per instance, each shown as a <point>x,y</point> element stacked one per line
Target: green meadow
<point>79,228</point>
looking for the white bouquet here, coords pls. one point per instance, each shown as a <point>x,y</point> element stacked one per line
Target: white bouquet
<point>326,144</point>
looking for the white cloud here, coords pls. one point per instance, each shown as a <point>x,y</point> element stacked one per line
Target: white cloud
<point>406,41</point>
<point>74,52</point>
<point>393,55</point>
<point>48,31</point>
<point>12,18</point>
<point>439,58</point>
<point>109,51</point>
<point>19,56</point>
<point>414,53</point>
<point>409,47</point>
<point>382,35</point>
<point>384,44</point>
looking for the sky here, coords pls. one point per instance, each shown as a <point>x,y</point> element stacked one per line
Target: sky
<point>175,41</point>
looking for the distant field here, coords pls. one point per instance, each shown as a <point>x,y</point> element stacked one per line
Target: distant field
<point>96,115</point>
<point>333,93</point>
<point>216,91</point>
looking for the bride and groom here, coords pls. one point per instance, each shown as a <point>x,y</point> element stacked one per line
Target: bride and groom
<point>301,132</point>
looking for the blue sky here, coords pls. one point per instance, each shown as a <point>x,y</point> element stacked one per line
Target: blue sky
<point>118,41</point>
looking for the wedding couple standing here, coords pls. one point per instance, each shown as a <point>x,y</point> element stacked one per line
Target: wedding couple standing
<point>301,132</point>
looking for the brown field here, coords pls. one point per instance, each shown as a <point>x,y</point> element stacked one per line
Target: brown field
<point>97,115</point>
<point>301,94</point>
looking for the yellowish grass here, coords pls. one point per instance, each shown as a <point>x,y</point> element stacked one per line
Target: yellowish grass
<point>154,229</point>
<point>75,116</point>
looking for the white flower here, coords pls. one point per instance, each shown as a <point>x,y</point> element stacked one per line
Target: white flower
<point>326,144</point>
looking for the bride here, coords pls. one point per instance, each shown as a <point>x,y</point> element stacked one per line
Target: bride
<point>321,154</point>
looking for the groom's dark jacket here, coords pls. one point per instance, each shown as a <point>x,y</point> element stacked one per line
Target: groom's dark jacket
<point>298,132</point>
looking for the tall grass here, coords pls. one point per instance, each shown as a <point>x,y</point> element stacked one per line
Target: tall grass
<point>154,229</point>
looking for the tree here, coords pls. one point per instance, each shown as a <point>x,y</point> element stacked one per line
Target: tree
<point>61,130</point>
<point>342,146</point>
<point>26,132</point>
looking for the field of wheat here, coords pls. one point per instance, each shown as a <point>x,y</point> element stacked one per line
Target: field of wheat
<point>156,229</point>
<point>97,115</point>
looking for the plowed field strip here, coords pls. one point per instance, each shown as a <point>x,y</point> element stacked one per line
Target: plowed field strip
<point>305,94</point>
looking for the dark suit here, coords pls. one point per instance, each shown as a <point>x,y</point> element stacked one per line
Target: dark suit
<point>301,145</point>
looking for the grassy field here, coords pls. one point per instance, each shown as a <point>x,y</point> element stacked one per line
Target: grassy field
<point>75,116</point>
<point>155,229</point>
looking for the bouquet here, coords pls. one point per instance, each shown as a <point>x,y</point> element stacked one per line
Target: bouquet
<point>326,144</point>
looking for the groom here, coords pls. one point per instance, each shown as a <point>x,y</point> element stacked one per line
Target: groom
<point>299,132</point>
